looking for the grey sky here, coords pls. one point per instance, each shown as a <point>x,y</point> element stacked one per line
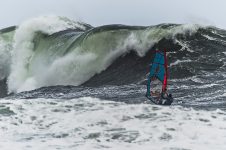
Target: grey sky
<point>131,12</point>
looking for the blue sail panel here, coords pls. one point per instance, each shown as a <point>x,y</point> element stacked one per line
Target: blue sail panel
<point>157,68</point>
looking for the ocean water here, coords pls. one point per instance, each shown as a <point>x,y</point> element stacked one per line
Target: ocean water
<point>91,123</point>
<point>68,85</point>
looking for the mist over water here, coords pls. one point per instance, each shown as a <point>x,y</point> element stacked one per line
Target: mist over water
<point>75,86</point>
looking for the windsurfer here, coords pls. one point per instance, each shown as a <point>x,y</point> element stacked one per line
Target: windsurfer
<point>157,80</point>
<point>164,94</point>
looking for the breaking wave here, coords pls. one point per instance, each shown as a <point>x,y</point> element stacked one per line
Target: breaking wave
<point>47,51</point>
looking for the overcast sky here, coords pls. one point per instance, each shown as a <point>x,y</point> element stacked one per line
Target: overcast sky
<point>130,12</point>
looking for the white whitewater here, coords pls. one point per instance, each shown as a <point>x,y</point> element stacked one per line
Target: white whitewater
<point>90,123</point>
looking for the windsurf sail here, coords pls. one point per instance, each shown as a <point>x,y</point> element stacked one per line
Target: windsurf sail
<point>157,79</point>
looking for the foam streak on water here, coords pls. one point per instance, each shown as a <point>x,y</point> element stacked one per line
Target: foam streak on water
<point>89,123</point>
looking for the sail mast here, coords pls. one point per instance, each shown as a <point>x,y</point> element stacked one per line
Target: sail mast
<point>164,86</point>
